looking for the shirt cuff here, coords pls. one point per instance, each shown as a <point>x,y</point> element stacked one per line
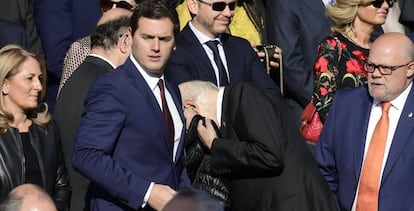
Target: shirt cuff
<point>147,195</point>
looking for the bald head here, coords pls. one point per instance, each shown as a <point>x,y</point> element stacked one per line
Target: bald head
<point>28,197</point>
<point>391,56</point>
<point>113,14</point>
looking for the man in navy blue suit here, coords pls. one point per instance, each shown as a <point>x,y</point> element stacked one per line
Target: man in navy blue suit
<point>193,59</point>
<point>346,139</point>
<point>131,134</point>
<point>297,27</point>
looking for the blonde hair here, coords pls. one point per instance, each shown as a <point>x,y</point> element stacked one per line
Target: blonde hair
<point>342,15</point>
<point>11,57</point>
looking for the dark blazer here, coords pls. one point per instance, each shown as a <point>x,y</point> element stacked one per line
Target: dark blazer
<point>298,27</point>
<point>190,62</point>
<point>60,23</point>
<point>340,151</point>
<point>20,12</point>
<point>68,111</point>
<point>122,143</point>
<point>407,16</point>
<point>269,165</point>
<point>12,33</point>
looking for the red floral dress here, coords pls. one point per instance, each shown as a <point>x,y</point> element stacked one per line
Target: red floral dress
<point>339,65</point>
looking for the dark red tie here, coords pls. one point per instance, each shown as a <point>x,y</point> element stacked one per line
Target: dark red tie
<point>166,112</point>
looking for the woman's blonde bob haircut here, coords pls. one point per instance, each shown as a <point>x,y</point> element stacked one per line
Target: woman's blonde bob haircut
<point>11,57</point>
<point>342,15</point>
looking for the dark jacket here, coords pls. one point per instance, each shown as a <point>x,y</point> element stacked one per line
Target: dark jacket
<point>46,144</point>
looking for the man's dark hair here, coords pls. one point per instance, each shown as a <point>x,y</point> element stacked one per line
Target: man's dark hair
<point>155,9</point>
<point>107,34</point>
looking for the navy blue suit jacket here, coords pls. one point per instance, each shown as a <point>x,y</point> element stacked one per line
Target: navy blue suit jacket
<point>190,62</point>
<point>298,27</point>
<point>340,151</point>
<point>59,24</point>
<point>122,143</point>
<point>11,33</point>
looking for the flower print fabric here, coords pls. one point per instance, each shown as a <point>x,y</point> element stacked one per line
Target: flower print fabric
<point>340,64</point>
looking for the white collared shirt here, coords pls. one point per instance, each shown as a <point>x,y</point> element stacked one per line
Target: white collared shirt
<point>152,82</point>
<point>103,58</point>
<point>397,105</point>
<point>202,38</point>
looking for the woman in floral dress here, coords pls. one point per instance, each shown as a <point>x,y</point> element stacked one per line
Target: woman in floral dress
<point>342,54</point>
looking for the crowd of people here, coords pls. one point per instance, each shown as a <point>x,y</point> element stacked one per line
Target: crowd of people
<point>174,105</point>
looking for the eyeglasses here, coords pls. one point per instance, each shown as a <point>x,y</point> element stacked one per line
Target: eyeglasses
<point>108,4</point>
<point>385,70</point>
<point>378,3</point>
<point>220,6</point>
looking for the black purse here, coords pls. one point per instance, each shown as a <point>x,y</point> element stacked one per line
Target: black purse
<point>196,159</point>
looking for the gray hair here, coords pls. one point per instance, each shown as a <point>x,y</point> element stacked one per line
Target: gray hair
<point>196,90</point>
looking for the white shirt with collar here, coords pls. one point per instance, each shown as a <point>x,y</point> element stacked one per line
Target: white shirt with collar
<point>397,105</point>
<point>103,58</point>
<point>152,82</point>
<point>202,38</point>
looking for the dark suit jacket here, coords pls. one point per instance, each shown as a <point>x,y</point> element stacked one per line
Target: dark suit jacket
<point>60,23</point>
<point>298,27</point>
<point>340,151</point>
<point>68,111</point>
<point>20,12</point>
<point>12,33</point>
<point>407,15</point>
<point>122,143</point>
<point>269,165</point>
<point>190,62</point>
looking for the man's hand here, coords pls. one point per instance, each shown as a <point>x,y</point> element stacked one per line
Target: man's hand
<point>160,196</point>
<point>274,63</point>
<point>206,133</point>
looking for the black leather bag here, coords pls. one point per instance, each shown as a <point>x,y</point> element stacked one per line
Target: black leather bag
<point>197,158</point>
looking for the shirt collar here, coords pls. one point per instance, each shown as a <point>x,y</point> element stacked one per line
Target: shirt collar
<point>151,80</point>
<point>202,38</point>
<point>103,58</point>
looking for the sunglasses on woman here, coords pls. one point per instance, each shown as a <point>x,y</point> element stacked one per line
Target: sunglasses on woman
<point>108,4</point>
<point>220,6</point>
<point>378,3</point>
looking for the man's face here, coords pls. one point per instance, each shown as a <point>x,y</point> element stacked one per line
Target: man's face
<point>388,87</point>
<point>152,44</point>
<point>209,21</point>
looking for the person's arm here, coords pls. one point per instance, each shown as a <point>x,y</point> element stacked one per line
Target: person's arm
<point>32,37</point>
<point>62,190</point>
<point>325,73</point>
<point>101,124</point>
<point>54,26</point>
<point>257,147</point>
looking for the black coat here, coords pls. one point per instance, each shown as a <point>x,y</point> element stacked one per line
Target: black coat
<point>262,154</point>
<point>46,144</point>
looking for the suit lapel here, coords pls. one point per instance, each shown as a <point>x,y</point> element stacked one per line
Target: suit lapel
<point>233,58</point>
<point>361,112</point>
<point>142,87</point>
<point>402,136</point>
<point>191,42</point>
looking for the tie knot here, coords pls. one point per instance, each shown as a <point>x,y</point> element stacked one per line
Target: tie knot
<point>212,44</point>
<point>385,106</point>
<point>161,84</point>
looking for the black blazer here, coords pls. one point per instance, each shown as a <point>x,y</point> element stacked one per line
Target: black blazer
<point>190,62</point>
<point>12,33</point>
<point>68,111</point>
<point>269,165</point>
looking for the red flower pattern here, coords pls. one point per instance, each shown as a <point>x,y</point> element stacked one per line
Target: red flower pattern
<point>321,65</point>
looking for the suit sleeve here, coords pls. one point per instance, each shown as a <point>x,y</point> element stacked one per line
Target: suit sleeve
<point>254,144</point>
<point>54,24</point>
<point>101,124</point>
<point>297,77</point>
<point>178,69</point>
<point>325,155</point>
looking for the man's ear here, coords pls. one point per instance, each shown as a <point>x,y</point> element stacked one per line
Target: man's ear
<point>410,71</point>
<point>124,42</point>
<point>192,6</point>
<point>191,104</point>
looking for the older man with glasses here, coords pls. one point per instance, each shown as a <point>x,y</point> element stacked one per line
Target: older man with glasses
<point>365,150</point>
<point>205,52</point>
